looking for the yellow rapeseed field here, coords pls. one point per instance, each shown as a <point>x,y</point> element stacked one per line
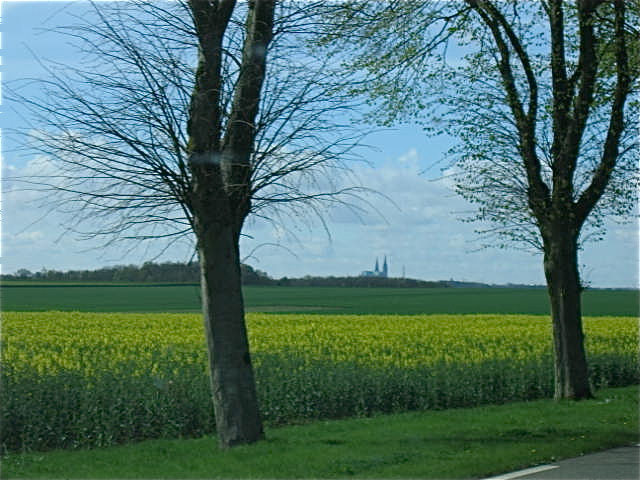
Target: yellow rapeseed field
<point>90,342</point>
<point>77,379</point>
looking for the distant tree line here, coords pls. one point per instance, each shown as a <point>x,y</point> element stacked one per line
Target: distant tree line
<point>149,272</point>
<point>309,281</point>
<point>176,272</point>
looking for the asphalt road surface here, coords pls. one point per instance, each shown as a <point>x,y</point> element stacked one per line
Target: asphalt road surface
<point>617,464</point>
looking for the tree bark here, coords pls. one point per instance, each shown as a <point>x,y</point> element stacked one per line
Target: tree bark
<point>233,388</point>
<point>220,200</point>
<point>563,283</point>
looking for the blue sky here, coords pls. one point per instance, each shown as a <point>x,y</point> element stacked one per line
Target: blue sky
<point>418,227</point>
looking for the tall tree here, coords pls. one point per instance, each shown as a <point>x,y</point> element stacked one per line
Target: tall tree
<point>219,201</point>
<point>538,95</point>
<point>143,145</point>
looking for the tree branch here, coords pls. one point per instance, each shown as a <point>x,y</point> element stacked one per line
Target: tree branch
<point>538,191</point>
<point>602,175</point>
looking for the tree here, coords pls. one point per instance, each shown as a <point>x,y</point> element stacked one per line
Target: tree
<point>540,105</point>
<point>145,146</point>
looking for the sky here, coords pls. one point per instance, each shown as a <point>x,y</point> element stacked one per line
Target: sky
<point>416,223</point>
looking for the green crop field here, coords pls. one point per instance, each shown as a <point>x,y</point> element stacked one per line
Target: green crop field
<point>405,301</point>
<point>94,372</point>
<point>75,380</point>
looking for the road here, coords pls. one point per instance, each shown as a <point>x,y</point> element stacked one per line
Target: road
<point>616,464</point>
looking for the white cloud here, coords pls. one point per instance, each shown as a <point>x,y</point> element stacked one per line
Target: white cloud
<point>420,231</point>
<point>415,224</point>
<point>36,235</point>
<point>28,238</point>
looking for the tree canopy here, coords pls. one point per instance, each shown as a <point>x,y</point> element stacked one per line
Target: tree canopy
<point>539,97</point>
<point>438,64</point>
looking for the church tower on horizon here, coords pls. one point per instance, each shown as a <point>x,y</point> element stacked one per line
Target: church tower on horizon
<point>377,271</point>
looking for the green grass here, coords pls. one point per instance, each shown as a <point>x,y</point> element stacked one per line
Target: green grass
<point>403,301</point>
<point>459,443</point>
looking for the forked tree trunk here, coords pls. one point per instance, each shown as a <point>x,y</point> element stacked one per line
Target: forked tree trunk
<point>233,389</point>
<point>220,163</point>
<point>563,283</point>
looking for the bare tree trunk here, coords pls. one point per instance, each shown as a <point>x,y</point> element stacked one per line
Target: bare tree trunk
<point>220,163</point>
<point>563,283</point>
<point>233,389</point>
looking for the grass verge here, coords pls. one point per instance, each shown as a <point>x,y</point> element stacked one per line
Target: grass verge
<point>459,443</point>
